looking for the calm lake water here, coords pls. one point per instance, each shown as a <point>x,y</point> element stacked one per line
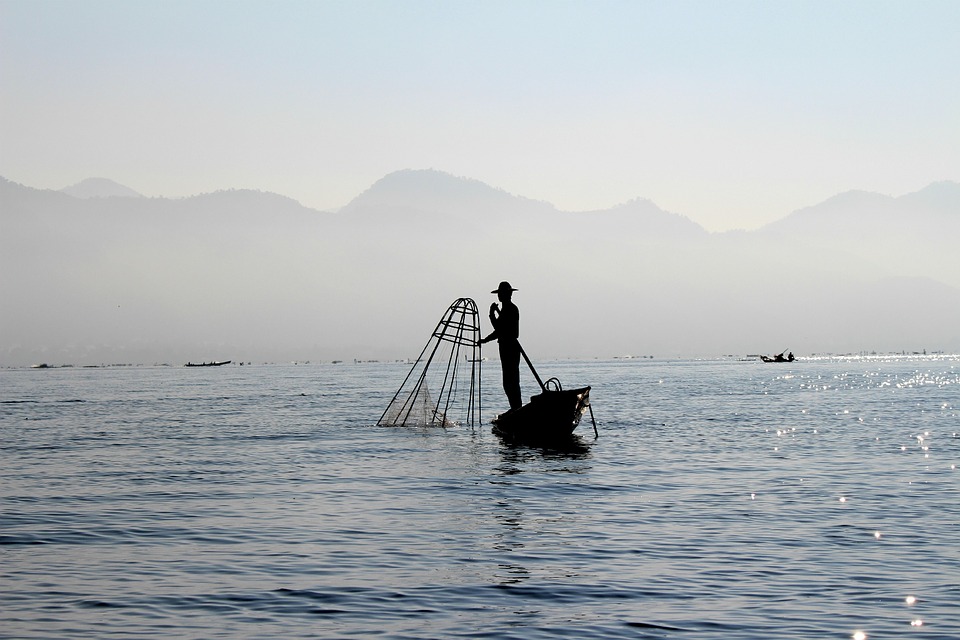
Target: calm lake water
<point>723,499</point>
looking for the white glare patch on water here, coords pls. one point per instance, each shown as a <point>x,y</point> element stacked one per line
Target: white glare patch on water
<point>916,623</point>
<point>911,600</point>
<point>859,635</point>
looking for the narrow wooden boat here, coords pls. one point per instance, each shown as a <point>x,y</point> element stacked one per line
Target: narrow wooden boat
<point>549,416</point>
<point>217,363</point>
<point>778,358</point>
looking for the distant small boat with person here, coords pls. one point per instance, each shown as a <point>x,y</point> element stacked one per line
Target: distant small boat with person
<point>779,357</point>
<point>215,363</point>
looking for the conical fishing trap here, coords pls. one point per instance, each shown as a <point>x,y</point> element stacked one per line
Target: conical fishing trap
<point>442,388</point>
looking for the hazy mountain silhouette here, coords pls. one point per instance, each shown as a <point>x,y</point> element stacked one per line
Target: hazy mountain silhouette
<point>100,188</point>
<point>434,191</point>
<point>251,275</point>
<point>440,198</point>
<point>858,214</point>
<point>912,235</point>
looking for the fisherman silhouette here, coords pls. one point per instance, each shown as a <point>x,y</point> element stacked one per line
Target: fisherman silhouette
<point>506,331</point>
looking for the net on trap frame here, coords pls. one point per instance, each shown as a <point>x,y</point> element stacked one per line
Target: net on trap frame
<point>442,388</point>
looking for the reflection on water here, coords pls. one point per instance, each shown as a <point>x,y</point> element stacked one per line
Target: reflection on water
<point>570,448</point>
<point>532,468</point>
<point>721,500</point>
<point>509,541</point>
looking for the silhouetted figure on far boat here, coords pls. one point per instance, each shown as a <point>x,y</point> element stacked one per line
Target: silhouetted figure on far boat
<point>779,357</point>
<point>506,331</point>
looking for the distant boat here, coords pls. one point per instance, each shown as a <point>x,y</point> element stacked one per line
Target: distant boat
<point>215,363</point>
<point>778,358</point>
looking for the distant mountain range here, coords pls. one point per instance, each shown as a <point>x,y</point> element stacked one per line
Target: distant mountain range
<point>429,192</point>
<point>96,270</point>
<point>867,215</point>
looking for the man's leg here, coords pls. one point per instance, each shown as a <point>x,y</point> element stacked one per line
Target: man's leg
<point>510,362</point>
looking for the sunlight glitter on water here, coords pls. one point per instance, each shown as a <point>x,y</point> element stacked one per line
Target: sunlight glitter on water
<point>302,520</point>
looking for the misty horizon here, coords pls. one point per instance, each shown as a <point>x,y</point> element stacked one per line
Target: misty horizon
<point>254,276</point>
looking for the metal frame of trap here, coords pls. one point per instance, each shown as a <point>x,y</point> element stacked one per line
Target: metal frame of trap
<point>460,326</point>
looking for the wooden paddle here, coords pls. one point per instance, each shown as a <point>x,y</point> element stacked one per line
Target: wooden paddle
<point>530,364</point>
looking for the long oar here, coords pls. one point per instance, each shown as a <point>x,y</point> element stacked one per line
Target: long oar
<point>530,364</point>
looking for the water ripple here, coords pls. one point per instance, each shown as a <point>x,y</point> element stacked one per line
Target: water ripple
<point>722,500</point>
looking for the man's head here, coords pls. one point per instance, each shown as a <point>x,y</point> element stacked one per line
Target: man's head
<point>504,291</point>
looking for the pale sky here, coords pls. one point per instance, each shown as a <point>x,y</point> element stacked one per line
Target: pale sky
<point>731,113</point>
